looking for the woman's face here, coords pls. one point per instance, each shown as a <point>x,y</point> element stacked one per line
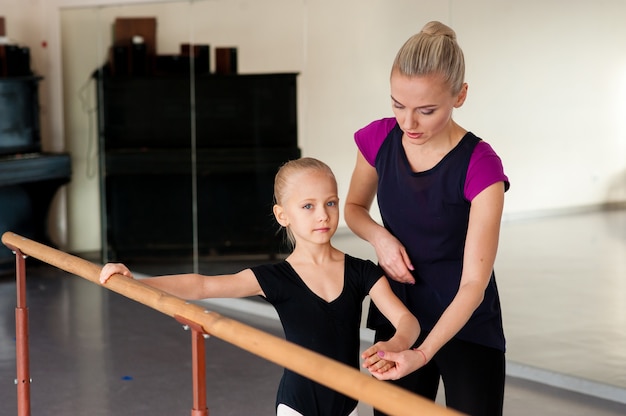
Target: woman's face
<point>423,106</point>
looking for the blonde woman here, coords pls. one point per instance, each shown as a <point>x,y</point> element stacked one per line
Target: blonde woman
<point>440,192</point>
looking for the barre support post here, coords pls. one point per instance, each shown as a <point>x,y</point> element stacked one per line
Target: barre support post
<point>198,366</point>
<point>21,337</point>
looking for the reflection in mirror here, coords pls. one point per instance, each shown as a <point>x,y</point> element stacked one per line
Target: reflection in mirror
<point>177,115</point>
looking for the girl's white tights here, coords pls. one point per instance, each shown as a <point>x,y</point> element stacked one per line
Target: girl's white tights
<point>284,410</point>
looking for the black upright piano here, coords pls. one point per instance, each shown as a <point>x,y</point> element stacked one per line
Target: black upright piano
<point>245,128</point>
<point>29,178</point>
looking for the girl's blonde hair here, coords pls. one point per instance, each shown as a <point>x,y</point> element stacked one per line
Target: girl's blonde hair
<point>282,183</point>
<point>433,51</point>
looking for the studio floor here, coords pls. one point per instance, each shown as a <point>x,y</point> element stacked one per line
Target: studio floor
<point>562,282</point>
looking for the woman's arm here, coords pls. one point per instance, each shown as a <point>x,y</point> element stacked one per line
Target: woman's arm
<point>481,245</point>
<point>195,286</point>
<point>391,255</point>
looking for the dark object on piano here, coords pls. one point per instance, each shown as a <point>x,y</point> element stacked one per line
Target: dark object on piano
<point>201,56</point>
<point>131,60</point>
<point>172,65</point>
<point>19,115</point>
<point>138,59</point>
<point>14,61</point>
<point>134,46</point>
<point>120,61</point>
<point>226,61</point>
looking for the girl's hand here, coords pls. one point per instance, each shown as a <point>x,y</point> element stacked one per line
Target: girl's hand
<point>372,358</point>
<point>405,363</point>
<point>110,269</point>
<point>373,361</point>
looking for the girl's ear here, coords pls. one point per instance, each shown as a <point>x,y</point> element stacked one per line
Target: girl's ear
<point>279,214</point>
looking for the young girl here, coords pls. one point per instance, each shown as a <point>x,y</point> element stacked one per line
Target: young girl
<point>317,290</point>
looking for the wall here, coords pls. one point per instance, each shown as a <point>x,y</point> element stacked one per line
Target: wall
<point>547,89</point>
<point>547,86</point>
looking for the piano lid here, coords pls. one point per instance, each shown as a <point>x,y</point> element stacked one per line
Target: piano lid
<point>34,167</point>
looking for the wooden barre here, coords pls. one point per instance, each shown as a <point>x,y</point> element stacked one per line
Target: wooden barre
<point>340,377</point>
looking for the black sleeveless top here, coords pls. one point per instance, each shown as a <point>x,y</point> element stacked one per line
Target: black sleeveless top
<point>428,212</point>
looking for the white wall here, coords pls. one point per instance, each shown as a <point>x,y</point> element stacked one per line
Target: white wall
<point>547,83</point>
<point>547,86</point>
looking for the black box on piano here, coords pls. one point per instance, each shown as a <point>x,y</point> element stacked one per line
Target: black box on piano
<point>19,107</point>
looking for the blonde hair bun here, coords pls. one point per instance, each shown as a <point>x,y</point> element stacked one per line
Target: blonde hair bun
<point>433,51</point>
<point>436,28</point>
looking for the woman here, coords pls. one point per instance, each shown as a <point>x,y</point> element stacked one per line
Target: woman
<point>440,191</point>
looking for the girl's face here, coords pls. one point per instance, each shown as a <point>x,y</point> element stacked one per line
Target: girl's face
<point>310,207</point>
<point>423,106</point>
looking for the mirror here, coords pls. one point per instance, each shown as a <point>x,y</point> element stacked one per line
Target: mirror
<point>171,114</point>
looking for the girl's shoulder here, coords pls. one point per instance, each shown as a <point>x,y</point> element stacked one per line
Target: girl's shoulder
<point>363,267</point>
<point>357,260</point>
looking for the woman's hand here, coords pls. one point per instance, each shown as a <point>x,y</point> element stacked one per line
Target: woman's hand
<point>393,258</point>
<point>391,255</point>
<point>110,269</point>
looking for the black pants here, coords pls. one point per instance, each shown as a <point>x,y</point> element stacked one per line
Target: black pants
<point>473,377</point>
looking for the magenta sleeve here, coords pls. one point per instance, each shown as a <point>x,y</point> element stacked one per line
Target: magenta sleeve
<point>485,169</point>
<point>371,137</point>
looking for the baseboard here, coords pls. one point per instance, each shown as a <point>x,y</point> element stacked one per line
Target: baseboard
<point>566,382</point>
<point>563,211</point>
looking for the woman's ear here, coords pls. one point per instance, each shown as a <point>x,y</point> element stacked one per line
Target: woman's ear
<point>279,214</point>
<point>460,98</point>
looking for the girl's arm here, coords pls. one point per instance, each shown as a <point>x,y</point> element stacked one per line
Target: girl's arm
<point>195,286</point>
<point>481,245</point>
<point>407,326</point>
<point>391,254</point>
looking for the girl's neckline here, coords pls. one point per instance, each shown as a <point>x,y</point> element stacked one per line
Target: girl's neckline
<point>343,286</point>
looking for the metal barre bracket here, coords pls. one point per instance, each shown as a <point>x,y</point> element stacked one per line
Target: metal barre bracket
<point>187,324</point>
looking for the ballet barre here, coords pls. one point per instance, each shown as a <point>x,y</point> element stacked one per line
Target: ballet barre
<point>202,322</point>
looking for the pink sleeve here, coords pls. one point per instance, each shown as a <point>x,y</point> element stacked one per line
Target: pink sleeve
<point>371,137</point>
<point>485,169</point>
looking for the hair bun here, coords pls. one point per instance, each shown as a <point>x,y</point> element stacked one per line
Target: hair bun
<point>436,28</point>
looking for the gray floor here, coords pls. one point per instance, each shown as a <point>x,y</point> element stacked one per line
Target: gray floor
<point>563,287</point>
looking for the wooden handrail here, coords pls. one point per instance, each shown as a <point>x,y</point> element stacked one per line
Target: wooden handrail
<point>340,377</point>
